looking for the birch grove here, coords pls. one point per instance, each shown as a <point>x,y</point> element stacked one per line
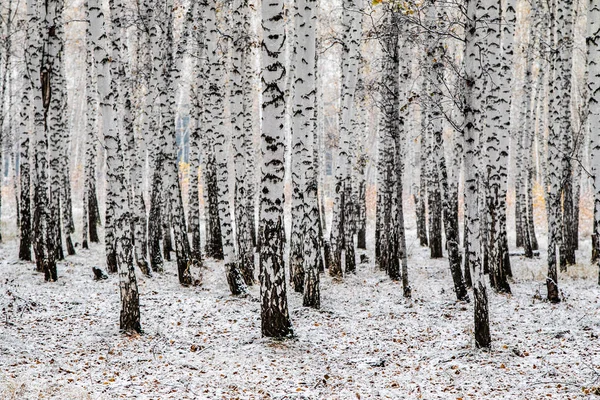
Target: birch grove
<point>299,146</point>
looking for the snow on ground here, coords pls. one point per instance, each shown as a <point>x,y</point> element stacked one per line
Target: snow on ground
<point>60,340</point>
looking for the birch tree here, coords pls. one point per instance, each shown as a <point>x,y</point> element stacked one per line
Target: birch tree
<point>26,131</point>
<point>216,131</point>
<point>240,102</point>
<point>275,320</point>
<point>474,101</point>
<point>342,235</point>
<point>555,138</point>
<point>91,211</point>
<point>496,141</point>
<point>167,90</point>
<point>593,42</point>
<point>116,185</point>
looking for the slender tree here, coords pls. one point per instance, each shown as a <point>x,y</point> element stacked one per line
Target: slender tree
<point>474,101</point>
<point>241,101</point>
<point>342,235</point>
<point>25,228</point>
<point>91,212</point>
<point>555,137</point>
<point>495,142</point>
<point>168,157</point>
<point>593,42</point>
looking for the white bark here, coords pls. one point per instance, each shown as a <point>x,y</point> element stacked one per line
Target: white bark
<point>593,40</point>
<point>217,132</point>
<point>275,319</point>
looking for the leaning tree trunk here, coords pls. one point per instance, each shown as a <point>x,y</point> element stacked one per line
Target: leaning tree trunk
<point>275,320</point>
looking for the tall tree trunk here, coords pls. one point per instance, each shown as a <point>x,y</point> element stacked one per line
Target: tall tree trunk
<point>155,218</point>
<point>304,100</point>
<point>564,15</point>
<point>555,139</point>
<point>495,142</point>
<point>593,43</point>
<point>474,92</point>
<point>116,186</point>
<point>216,131</point>
<point>421,190</point>
<point>197,133</point>
<point>172,189</point>
<point>342,235</point>
<point>241,100</point>
<point>25,228</point>
<point>214,244</point>
<point>433,128</point>
<point>275,320</point>
<point>90,199</point>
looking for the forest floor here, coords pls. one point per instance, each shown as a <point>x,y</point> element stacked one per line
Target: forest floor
<point>60,340</point>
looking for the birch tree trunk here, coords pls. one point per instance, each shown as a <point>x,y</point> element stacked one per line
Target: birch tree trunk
<point>304,125</point>
<point>116,180</point>
<point>275,320</point>
<point>56,124</point>
<point>474,92</point>
<point>150,9</point>
<point>434,65</point>
<point>300,124</point>
<point>342,236</point>
<point>554,175</point>
<point>91,211</point>
<point>433,96</point>
<point>496,147</point>
<point>198,132</point>
<point>45,250</point>
<point>216,131</point>
<point>167,91</point>
<point>593,42</point>
<point>26,131</point>
<point>421,194</point>
<point>564,33</point>
<point>241,101</point>
<point>522,181</point>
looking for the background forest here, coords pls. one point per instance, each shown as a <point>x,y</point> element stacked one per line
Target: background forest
<point>299,198</point>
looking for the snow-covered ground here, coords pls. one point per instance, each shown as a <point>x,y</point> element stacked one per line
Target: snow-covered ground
<point>60,340</point>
